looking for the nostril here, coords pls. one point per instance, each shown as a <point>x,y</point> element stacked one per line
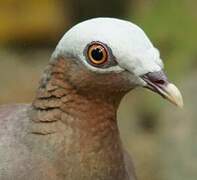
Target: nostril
<point>160,81</point>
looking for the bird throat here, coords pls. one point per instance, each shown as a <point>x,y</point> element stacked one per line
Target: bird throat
<point>86,126</point>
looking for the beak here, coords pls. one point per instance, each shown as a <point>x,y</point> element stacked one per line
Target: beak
<point>158,82</point>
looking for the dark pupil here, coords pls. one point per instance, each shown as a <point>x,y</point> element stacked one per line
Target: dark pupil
<point>97,54</point>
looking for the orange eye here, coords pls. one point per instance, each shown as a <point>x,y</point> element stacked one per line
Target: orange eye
<point>97,54</point>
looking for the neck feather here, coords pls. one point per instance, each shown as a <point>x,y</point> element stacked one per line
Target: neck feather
<point>92,119</point>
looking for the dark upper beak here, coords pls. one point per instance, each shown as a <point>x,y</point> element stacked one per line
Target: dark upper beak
<point>158,82</point>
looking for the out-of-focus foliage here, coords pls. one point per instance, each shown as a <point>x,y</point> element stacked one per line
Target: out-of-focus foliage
<point>102,8</point>
<point>160,137</point>
<point>177,136</point>
<point>31,20</point>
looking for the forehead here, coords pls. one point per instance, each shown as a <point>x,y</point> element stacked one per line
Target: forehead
<point>110,31</point>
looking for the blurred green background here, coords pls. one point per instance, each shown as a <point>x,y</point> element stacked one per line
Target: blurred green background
<point>161,138</point>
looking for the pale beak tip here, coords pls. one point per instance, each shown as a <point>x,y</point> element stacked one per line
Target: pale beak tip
<point>174,95</point>
<point>157,82</point>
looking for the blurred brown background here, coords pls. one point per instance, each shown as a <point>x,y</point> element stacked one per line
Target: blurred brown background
<point>161,138</point>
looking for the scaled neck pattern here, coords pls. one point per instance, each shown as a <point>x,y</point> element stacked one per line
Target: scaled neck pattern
<point>90,120</point>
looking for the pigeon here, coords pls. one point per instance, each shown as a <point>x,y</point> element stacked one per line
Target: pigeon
<point>70,131</point>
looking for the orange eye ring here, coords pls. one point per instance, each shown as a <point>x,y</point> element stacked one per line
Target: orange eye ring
<point>97,53</point>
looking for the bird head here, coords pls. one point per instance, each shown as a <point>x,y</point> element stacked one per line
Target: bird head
<point>108,56</point>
